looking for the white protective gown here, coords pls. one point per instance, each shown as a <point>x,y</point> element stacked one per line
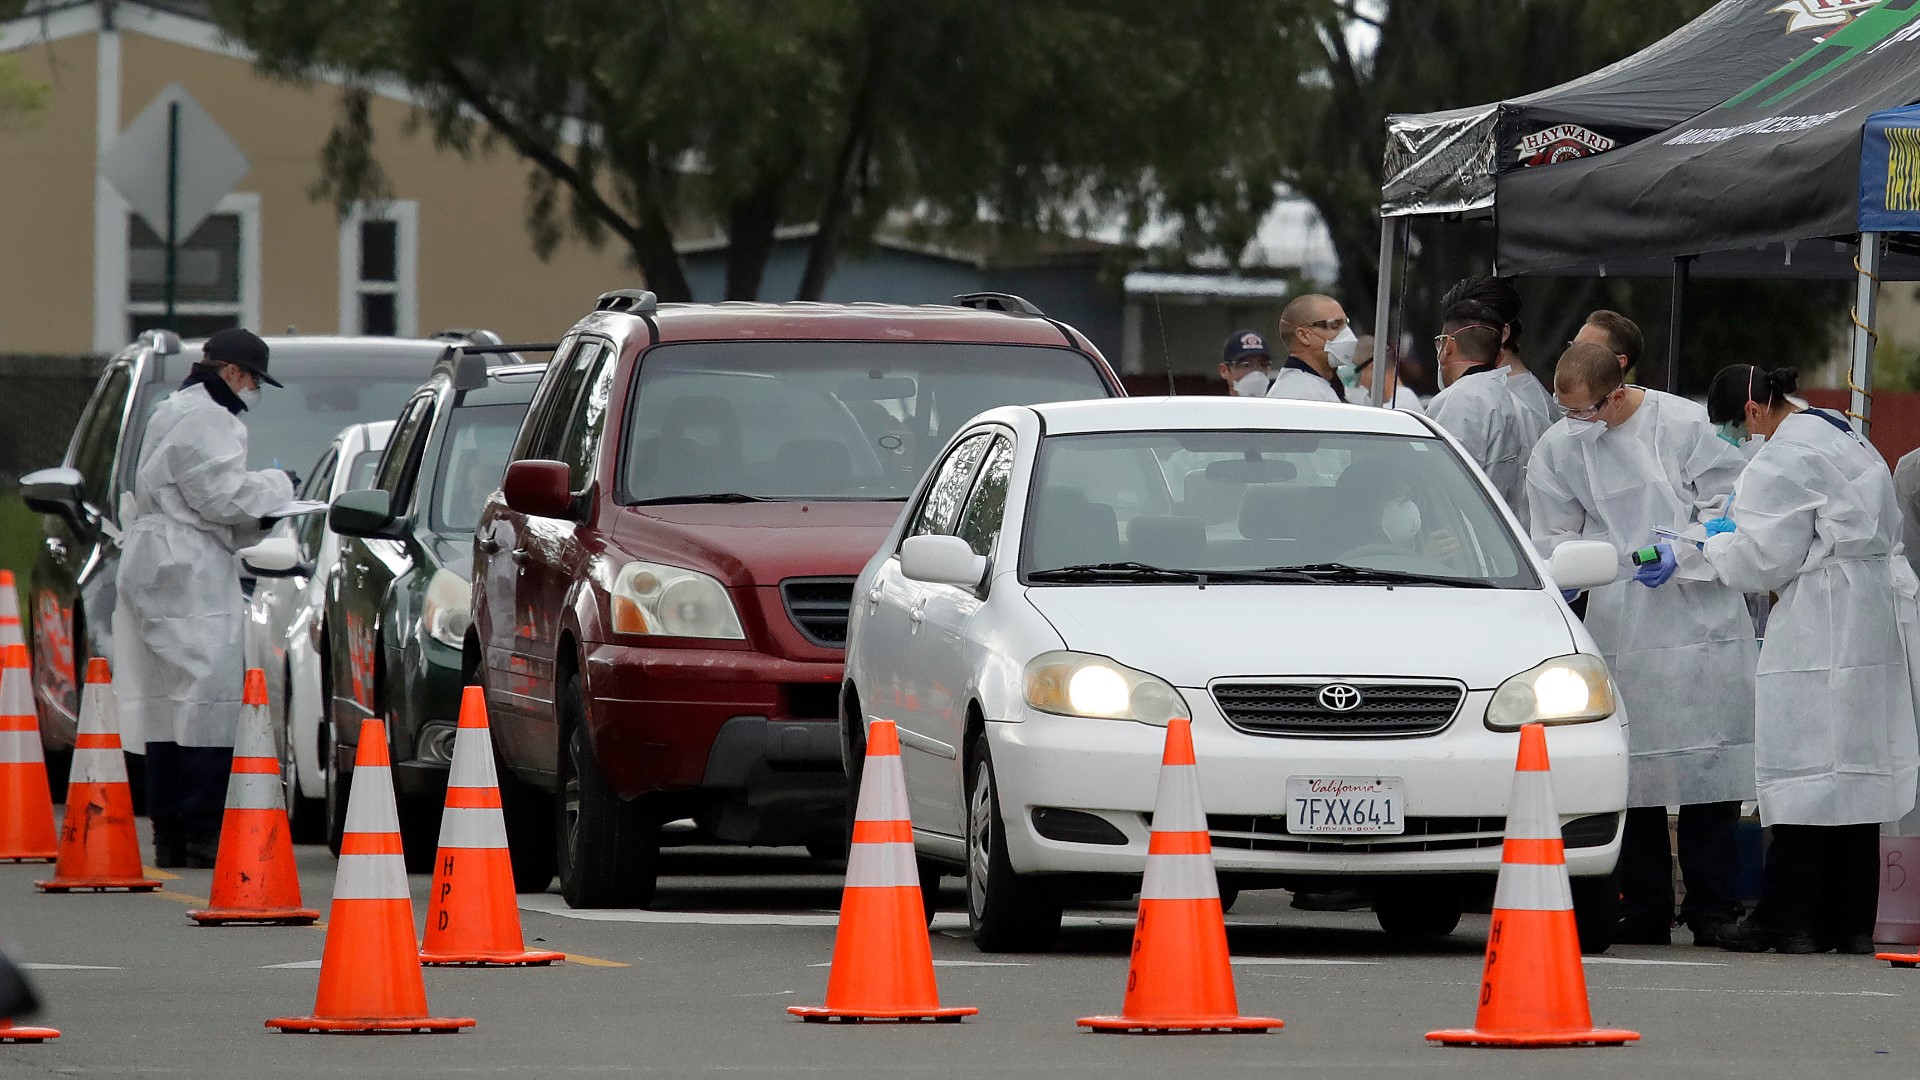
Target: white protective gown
<point>178,669</point>
<point>1533,394</point>
<point>1404,399</point>
<point>1683,654</point>
<point>1291,382</point>
<point>1817,522</point>
<point>1496,429</point>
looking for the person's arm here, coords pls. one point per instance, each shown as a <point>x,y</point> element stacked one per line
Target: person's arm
<point>1711,472</point>
<point>210,468</point>
<point>1554,516</point>
<point>1774,514</point>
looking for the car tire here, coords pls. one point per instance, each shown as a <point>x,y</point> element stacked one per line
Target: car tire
<point>1229,895</point>
<point>338,785</point>
<point>1005,911</point>
<point>305,821</point>
<point>419,832</point>
<point>530,845</point>
<point>1414,913</point>
<point>608,847</point>
<point>829,846</point>
<point>1596,910</point>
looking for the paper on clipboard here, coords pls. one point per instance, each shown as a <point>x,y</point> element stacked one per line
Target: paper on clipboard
<point>297,508</point>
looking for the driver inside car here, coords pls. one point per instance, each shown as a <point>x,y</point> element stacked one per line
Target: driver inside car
<point>1382,517</point>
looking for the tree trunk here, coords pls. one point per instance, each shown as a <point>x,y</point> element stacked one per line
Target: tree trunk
<point>751,221</point>
<point>831,221</point>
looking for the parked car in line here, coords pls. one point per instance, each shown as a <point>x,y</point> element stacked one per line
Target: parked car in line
<point>330,382</point>
<point>395,613</point>
<point>661,589</point>
<point>283,633</point>
<point>1355,624</point>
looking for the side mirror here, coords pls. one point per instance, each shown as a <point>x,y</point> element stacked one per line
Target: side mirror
<point>366,513</point>
<point>54,491</point>
<point>276,556</point>
<point>539,488</point>
<point>1584,564</point>
<point>942,560</point>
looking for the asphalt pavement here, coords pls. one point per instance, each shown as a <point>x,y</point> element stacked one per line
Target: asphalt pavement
<point>699,985</point>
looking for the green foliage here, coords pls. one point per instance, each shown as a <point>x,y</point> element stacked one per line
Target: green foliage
<point>21,532</point>
<point>21,99</point>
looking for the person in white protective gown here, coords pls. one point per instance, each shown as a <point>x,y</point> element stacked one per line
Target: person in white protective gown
<point>1623,462</point>
<point>1478,406</point>
<point>1815,519</point>
<point>1318,338</point>
<point>177,621</point>
<point>1359,380</point>
<point>1504,299</point>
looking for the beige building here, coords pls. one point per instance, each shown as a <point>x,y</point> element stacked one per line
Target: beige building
<point>82,274</point>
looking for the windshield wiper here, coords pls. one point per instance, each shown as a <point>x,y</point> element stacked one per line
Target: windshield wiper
<point>1336,571</point>
<point>709,497</point>
<point>1136,571</point>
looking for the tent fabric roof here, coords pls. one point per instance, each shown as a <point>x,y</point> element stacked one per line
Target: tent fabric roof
<point>1775,164</point>
<point>1443,162</point>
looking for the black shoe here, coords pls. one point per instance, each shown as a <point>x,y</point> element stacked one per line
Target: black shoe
<point>1749,936</point>
<point>1332,900</point>
<point>1632,931</point>
<point>1849,944</point>
<point>169,854</point>
<point>200,853</point>
<point>1708,932</point>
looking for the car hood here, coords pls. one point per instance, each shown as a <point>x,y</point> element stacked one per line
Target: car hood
<point>759,543</point>
<point>1190,636</point>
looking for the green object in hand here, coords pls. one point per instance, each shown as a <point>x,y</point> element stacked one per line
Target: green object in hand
<point>1646,555</point>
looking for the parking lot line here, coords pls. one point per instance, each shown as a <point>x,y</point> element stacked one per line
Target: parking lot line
<point>594,961</point>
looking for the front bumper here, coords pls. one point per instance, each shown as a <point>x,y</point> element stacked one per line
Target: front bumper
<point>1457,783</point>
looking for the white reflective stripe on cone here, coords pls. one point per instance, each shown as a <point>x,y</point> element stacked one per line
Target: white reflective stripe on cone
<point>473,827</point>
<point>1177,806</point>
<point>371,877</point>
<point>1530,812</point>
<point>883,791</point>
<point>254,738</point>
<point>472,760</point>
<point>255,791</point>
<point>370,806</point>
<point>19,747</point>
<point>875,866</point>
<point>97,765</point>
<point>16,696</point>
<point>1179,877</point>
<point>1533,887</point>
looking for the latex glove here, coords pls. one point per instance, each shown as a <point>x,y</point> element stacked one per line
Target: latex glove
<point>1569,594</point>
<point>1655,574</point>
<point>1716,526</point>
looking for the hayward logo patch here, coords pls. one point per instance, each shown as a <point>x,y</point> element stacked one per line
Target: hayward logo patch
<point>1821,14</point>
<point>1562,142</point>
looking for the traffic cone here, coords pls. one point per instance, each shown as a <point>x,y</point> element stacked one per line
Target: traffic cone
<point>254,876</point>
<point>99,849</point>
<point>11,632</point>
<point>882,961</point>
<point>370,968</point>
<point>26,803</point>
<point>1533,991</point>
<point>472,914</point>
<point>13,1033</point>
<point>1180,978</point>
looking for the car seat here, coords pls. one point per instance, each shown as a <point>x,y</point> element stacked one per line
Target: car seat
<point>1068,530</point>
<point>1176,542</point>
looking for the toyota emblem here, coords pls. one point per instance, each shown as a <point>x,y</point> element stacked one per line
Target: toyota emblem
<point>1339,697</point>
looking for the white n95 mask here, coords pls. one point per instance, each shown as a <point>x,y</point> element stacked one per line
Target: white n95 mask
<point>1340,349</point>
<point>1401,522</point>
<point>1253,384</point>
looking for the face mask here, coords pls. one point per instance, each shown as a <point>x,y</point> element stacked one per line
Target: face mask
<point>1349,375</point>
<point>1401,521</point>
<point>1340,349</point>
<point>1586,430</point>
<point>249,397</point>
<point>1733,433</point>
<point>1253,384</point>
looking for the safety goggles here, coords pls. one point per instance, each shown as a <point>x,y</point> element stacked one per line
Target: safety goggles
<point>1587,413</point>
<point>1440,340</point>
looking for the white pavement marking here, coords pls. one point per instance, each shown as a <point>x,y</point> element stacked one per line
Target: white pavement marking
<point>70,967</point>
<point>1304,961</point>
<point>1636,961</point>
<point>295,964</point>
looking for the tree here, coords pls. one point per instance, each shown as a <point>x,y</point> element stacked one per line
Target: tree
<point>648,123</point>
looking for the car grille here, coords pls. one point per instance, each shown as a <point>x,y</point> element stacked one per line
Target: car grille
<point>1295,708</point>
<point>819,608</point>
<point>1245,832</point>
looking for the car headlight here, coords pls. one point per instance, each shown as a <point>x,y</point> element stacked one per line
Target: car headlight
<point>445,611</point>
<point>649,598</point>
<point>1081,684</point>
<point>1565,690</point>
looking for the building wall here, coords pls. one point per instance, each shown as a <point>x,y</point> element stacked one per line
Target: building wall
<point>1185,334</point>
<point>46,183</point>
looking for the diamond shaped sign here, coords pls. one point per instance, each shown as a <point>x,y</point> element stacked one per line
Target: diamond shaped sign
<point>209,164</point>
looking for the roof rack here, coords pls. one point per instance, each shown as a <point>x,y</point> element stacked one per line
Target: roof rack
<point>467,335</point>
<point>628,302</point>
<point>164,342</point>
<point>467,364</point>
<point>998,301</point>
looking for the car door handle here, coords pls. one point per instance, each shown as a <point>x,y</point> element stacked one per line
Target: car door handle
<point>489,545</point>
<point>917,615</point>
<point>58,549</point>
<point>873,596</point>
<point>520,555</point>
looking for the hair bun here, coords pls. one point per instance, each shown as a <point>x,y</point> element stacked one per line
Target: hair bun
<point>1783,380</point>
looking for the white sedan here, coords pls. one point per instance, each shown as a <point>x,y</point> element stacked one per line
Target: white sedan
<point>1335,595</point>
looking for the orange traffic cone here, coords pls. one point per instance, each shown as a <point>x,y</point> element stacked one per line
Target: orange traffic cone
<point>13,1033</point>
<point>11,632</point>
<point>370,968</point>
<point>26,803</point>
<point>98,848</point>
<point>472,916</point>
<point>882,961</point>
<point>254,876</point>
<point>1180,978</point>
<point>1533,991</point>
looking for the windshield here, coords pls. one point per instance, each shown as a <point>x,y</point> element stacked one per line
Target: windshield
<point>820,419</point>
<point>1335,505</point>
<point>473,457</point>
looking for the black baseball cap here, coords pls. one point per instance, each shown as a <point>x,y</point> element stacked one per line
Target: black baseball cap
<point>1242,344</point>
<point>242,349</point>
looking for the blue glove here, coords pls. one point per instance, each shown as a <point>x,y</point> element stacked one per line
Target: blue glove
<point>1716,526</point>
<point>1655,574</point>
<point>1569,594</point>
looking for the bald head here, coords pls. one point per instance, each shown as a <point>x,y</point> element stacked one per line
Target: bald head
<point>1309,308</point>
<point>1586,370</point>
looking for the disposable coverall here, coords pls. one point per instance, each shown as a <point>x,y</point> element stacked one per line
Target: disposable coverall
<point>177,624</point>
<point>1533,394</point>
<point>1494,426</point>
<point>1906,487</point>
<point>1295,379</point>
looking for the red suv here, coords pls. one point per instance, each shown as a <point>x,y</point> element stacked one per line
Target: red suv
<point>661,588</point>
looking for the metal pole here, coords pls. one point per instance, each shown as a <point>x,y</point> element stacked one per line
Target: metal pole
<point>1393,235</point>
<point>173,198</point>
<point>1677,319</point>
<point>1866,310</point>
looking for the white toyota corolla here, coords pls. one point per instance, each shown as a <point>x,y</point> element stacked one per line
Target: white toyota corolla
<point>1334,594</point>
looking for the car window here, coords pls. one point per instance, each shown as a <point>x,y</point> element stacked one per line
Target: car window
<point>318,485</point>
<point>986,507</point>
<point>581,444</point>
<point>543,398</point>
<point>822,419</point>
<point>473,456</point>
<point>1258,499</point>
<point>949,486</point>
<point>397,466</point>
<point>360,474</point>
<point>550,441</point>
<point>96,448</point>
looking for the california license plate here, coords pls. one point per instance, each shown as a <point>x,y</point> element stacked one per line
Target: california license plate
<point>1346,805</point>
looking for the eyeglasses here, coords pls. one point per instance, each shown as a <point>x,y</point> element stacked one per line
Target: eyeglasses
<point>1440,340</point>
<point>1335,325</point>
<point>1588,412</point>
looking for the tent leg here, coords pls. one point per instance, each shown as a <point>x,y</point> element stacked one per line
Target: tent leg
<point>1393,246</point>
<point>1677,319</point>
<point>1866,312</point>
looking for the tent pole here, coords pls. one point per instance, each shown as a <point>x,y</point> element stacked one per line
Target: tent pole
<point>1677,319</point>
<point>1866,311</point>
<point>1393,242</point>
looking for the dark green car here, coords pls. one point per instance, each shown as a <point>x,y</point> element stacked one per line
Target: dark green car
<point>396,610</point>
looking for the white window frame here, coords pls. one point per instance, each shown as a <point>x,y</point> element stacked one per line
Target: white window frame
<point>246,206</point>
<point>406,299</point>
